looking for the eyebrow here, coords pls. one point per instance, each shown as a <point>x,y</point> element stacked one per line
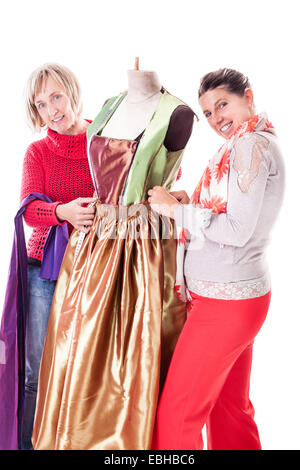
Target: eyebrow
<point>215,104</point>
<point>54,93</point>
<point>220,99</point>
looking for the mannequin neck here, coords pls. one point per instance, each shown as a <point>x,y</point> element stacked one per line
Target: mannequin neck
<point>134,113</point>
<point>142,85</point>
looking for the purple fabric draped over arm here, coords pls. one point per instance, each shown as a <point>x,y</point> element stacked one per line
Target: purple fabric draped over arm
<point>13,322</point>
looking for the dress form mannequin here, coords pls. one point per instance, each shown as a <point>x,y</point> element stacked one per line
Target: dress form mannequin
<point>136,110</point>
<point>123,319</point>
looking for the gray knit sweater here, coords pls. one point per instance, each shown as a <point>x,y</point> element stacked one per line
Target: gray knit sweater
<point>235,242</point>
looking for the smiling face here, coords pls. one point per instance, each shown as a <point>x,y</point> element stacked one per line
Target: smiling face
<point>226,111</point>
<point>55,109</point>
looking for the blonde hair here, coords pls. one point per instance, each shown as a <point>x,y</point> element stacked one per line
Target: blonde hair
<point>63,77</point>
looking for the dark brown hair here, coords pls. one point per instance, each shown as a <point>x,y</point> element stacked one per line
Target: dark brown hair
<point>232,80</point>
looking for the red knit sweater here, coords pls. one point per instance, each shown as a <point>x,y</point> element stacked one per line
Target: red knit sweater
<point>56,166</point>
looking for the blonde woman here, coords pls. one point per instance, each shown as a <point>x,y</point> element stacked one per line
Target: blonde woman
<point>57,180</point>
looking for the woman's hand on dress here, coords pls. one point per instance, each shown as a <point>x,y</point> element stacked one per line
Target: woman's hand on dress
<point>163,202</point>
<point>181,196</point>
<point>76,214</point>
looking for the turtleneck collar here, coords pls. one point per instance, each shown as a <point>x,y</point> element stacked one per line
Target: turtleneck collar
<point>69,146</point>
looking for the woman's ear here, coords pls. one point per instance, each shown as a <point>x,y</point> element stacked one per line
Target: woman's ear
<point>249,97</point>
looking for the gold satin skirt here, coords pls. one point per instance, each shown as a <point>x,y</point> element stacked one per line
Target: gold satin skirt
<point>114,323</point>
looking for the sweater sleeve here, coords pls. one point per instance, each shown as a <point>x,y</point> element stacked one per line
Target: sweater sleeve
<point>38,213</point>
<point>249,171</point>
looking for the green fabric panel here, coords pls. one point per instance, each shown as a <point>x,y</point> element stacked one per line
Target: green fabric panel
<point>103,117</point>
<point>150,159</point>
<point>163,171</point>
<point>171,169</point>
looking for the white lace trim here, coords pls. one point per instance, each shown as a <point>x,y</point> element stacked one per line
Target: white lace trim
<point>230,290</point>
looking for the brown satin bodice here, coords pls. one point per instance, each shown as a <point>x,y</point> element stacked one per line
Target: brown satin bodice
<point>111,160</point>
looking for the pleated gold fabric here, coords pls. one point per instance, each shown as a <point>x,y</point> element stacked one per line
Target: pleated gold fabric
<point>114,322</point>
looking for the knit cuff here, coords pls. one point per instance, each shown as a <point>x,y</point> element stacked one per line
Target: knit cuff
<point>42,214</point>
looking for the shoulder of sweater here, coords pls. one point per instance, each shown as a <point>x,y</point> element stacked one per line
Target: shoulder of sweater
<point>261,143</point>
<point>256,137</point>
<point>271,138</point>
<point>266,142</point>
<point>37,147</point>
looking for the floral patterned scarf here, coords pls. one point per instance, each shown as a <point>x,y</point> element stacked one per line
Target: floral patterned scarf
<point>211,191</point>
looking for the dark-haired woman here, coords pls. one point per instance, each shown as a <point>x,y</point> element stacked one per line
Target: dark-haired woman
<point>228,220</point>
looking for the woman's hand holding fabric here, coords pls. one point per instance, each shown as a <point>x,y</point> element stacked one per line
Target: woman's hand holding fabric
<point>181,196</point>
<point>163,202</point>
<point>76,214</point>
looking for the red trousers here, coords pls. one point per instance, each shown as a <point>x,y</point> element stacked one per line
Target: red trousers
<point>208,379</point>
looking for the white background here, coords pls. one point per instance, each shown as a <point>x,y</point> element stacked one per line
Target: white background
<point>181,41</point>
